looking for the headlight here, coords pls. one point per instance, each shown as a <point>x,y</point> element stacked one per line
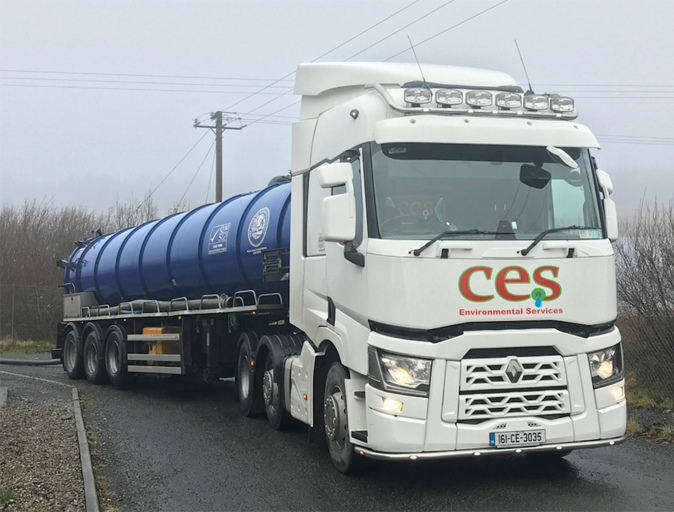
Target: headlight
<point>402,374</point>
<point>479,98</point>
<point>606,366</point>
<point>508,100</point>
<point>562,104</point>
<point>535,102</point>
<point>449,97</point>
<point>417,96</point>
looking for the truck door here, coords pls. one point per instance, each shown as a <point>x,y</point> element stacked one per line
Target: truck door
<point>346,280</point>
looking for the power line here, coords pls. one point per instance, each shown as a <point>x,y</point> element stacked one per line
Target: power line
<point>135,82</point>
<point>637,137</point>
<point>275,112</point>
<point>448,29</point>
<point>606,85</point>
<point>626,97</point>
<point>321,56</point>
<point>195,174</point>
<point>171,171</point>
<point>127,89</point>
<point>638,143</point>
<point>137,75</point>
<point>399,30</point>
<point>210,178</point>
<point>294,118</point>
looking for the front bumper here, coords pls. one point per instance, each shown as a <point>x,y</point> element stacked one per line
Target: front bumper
<point>440,425</point>
<point>475,453</point>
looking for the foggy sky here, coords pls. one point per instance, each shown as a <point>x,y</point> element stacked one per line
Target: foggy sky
<point>91,146</point>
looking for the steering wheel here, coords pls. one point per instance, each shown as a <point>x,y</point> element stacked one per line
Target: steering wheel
<point>387,225</point>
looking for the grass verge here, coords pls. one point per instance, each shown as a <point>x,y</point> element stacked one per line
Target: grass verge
<point>13,346</point>
<point>7,496</point>
<point>105,495</point>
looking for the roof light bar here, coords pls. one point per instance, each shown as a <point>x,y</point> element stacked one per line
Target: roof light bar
<point>472,101</point>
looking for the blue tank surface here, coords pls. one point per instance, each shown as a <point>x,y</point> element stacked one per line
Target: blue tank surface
<point>213,249</point>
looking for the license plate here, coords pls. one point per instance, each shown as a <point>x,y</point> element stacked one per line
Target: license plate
<point>516,438</point>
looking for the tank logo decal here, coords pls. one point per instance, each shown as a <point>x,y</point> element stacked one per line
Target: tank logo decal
<point>257,229</point>
<point>217,241</point>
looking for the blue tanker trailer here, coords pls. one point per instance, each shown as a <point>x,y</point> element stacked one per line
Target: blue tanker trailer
<point>217,249</point>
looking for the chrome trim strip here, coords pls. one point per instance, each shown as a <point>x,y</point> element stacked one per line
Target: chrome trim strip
<point>493,112</point>
<point>487,451</point>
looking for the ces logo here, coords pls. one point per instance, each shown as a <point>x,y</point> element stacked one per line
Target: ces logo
<point>546,290</point>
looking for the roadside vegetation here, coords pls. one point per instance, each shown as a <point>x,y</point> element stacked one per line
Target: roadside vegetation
<point>7,496</point>
<point>14,346</point>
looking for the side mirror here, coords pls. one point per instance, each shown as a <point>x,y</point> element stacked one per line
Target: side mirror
<point>339,212</point>
<point>610,212</point>
<point>605,181</point>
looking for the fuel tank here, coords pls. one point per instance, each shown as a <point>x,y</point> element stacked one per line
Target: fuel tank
<point>213,249</point>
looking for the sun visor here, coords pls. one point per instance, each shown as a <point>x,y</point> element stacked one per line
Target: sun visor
<point>465,130</point>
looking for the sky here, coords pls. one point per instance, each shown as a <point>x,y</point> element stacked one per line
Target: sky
<point>79,139</point>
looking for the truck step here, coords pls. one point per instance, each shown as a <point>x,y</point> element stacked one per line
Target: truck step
<point>154,337</point>
<point>165,358</point>
<point>168,370</point>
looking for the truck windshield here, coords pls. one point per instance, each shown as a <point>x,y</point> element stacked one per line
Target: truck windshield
<point>502,192</point>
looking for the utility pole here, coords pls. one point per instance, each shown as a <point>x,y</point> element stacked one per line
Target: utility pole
<point>219,128</point>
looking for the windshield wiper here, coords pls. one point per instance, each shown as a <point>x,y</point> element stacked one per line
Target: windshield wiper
<point>446,234</point>
<point>545,233</point>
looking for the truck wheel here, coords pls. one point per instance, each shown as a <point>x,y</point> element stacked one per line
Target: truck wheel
<point>250,396</point>
<point>73,361</point>
<point>115,359</point>
<point>271,393</point>
<point>94,363</point>
<point>336,420</point>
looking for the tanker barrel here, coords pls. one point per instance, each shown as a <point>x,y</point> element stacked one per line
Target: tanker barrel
<point>214,249</point>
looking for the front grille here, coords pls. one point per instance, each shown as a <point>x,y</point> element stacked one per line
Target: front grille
<point>490,374</point>
<point>514,403</point>
<point>512,386</point>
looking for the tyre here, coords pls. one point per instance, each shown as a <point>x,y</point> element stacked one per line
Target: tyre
<point>115,358</point>
<point>94,362</point>
<point>271,393</point>
<point>336,420</point>
<point>73,361</point>
<point>548,455</point>
<point>250,395</point>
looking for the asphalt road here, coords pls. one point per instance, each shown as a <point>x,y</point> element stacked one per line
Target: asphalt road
<point>171,445</point>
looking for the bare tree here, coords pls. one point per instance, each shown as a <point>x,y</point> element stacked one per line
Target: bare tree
<point>645,272</point>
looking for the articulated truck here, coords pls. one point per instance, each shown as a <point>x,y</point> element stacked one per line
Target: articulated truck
<point>434,279</point>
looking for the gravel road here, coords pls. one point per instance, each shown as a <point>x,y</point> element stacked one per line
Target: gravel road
<point>172,445</point>
<point>39,454</point>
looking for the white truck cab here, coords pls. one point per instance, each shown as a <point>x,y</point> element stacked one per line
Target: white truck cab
<point>451,267</point>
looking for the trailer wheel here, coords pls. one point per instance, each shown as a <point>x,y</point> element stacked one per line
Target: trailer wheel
<point>250,396</point>
<point>94,362</point>
<point>278,418</point>
<point>336,420</point>
<point>115,359</point>
<point>73,361</point>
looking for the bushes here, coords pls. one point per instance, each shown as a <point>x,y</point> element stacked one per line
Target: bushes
<point>645,283</point>
<point>33,236</point>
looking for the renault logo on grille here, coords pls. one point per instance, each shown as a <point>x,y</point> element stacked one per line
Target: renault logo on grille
<point>514,371</point>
